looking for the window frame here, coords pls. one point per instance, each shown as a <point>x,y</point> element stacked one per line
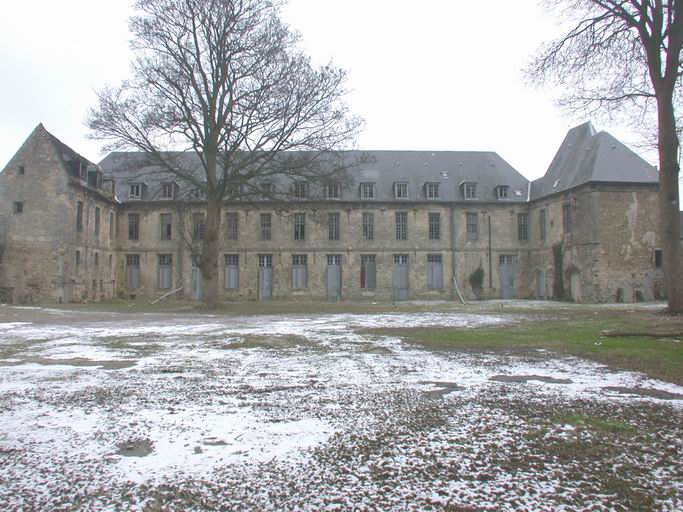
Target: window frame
<point>401,219</point>
<point>434,225</point>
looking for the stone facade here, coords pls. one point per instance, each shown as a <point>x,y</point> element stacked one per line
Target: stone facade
<point>82,235</point>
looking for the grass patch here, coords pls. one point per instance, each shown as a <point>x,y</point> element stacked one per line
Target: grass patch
<point>596,423</point>
<point>573,332</point>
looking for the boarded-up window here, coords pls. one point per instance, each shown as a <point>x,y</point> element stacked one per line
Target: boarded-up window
<point>401,225</point>
<point>434,272</point>
<point>132,271</point>
<point>97,222</point>
<point>299,226</point>
<point>333,226</point>
<point>299,271</point>
<point>197,227</point>
<point>79,216</point>
<point>472,226</point>
<point>133,226</point>
<point>266,222</point>
<point>165,271</point>
<point>232,225</point>
<point>232,271</point>
<point>368,271</point>
<point>166,223</point>
<point>523,226</point>
<point>434,226</point>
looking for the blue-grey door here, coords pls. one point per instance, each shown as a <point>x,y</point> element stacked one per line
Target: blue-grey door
<point>334,277</point>
<point>196,281</point>
<point>400,277</point>
<point>540,284</point>
<point>507,276</point>
<point>265,276</point>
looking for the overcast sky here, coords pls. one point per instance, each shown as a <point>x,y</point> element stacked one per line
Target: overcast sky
<point>446,76</point>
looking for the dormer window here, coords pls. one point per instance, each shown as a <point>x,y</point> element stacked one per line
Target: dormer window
<point>168,190</point>
<point>367,190</point>
<point>502,191</point>
<point>135,191</point>
<point>432,190</point>
<point>469,189</point>
<point>301,190</point>
<point>332,191</point>
<point>267,189</point>
<point>401,190</point>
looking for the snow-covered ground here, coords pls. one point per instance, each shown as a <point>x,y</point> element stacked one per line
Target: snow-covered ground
<point>308,411</point>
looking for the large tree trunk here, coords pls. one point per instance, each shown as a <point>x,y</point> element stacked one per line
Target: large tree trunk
<point>210,252</point>
<point>668,145</point>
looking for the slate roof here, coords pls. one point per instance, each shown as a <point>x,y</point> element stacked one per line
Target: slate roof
<point>384,168</point>
<point>586,156</point>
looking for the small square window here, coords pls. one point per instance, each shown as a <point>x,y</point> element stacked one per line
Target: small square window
<point>401,190</point>
<point>19,207</point>
<point>22,170</point>
<point>135,191</point>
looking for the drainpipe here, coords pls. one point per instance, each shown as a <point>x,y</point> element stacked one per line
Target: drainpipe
<point>490,256</point>
<point>453,274</point>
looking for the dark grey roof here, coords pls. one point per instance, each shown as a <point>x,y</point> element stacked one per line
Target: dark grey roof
<point>586,156</point>
<point>384,168</point>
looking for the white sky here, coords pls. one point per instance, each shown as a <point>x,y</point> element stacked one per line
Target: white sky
<point>444,76</point>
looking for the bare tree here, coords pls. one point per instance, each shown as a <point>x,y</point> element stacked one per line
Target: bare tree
<point>623,57</point>
<point>225,80</point>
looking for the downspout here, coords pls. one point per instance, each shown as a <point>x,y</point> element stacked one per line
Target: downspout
<point>490,256</point>
<point>453,274</point>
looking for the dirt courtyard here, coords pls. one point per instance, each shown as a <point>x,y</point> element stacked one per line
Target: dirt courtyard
<point>185,411</point>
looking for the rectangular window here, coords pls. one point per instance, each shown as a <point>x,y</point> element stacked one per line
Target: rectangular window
<point>111,225</point>
<point>333,226</point>
<point>164,277</point>
<point>97,222</point>
<point>659,258</point>
<point>472,226</point>
<point>19,207</point>
<point>78,258</point>
<point>401,190</point>
<point>434,226</point>
<point>232,225</point>
<point>133,226</point>
<point>299,226</point>
<point>367,190</point>
<point>470,190</point>
<point>265,260</point>
<point>333,260</point>
<point>567,218</point>
<point>97,259</point>
<point>401,225</point>
<point>503,191</point>
<point>132,271</point>
<point>232,271</point>
<point>368,226</point>
<point>368,272</point>
<point>167,190</point>
<point>434,272</point>
<point>332,191</point>
<point>400,259</point>
<point>301,190</point>
<point>541,223</point>
<point>432,190</point>
<point>166,223</point>
<point>79,216</point>
<point>22,170</point>
<point>266,222</point>
<point>523,226</point>
<point>299,271</point>
<point>506,259</point>
<point>197,227</point>
<point>267,190</point>
<point>135,191</point>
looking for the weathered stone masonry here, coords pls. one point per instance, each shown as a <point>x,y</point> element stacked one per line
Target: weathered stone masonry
<point>435,216</point>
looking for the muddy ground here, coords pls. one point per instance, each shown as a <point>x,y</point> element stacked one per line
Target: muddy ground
<point>184,411</point>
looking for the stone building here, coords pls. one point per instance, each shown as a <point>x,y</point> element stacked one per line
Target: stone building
<point>407,225</point>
